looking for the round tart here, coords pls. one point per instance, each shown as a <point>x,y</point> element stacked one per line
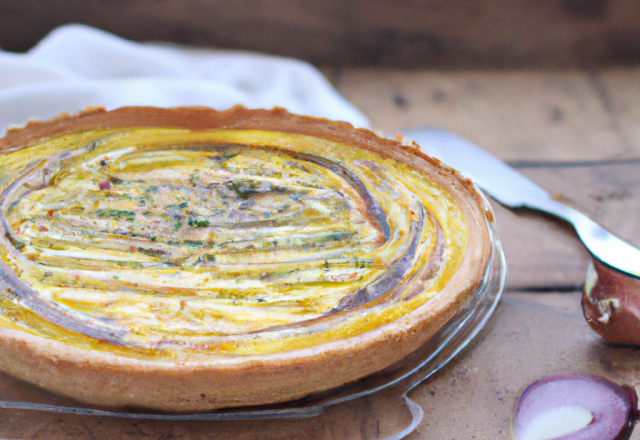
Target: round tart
<point>188,259</point>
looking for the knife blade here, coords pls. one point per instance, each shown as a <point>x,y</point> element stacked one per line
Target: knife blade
<point>496,178</point>
<point>514,190</point>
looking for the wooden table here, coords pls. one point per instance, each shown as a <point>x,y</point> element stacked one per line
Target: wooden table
<point>577,134</point>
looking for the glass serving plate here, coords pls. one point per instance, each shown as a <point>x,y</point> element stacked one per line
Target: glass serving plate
<point>405,374</point>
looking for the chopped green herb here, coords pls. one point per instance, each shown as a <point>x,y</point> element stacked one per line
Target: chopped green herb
<point>178,206</point>
<point>116,214</point>
<point>244,189</point>
<point>198,223</point>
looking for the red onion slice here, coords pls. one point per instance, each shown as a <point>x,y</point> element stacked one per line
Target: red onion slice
<point>575,407</point>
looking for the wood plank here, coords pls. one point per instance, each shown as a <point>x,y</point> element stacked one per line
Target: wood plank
<point>536,116</point>
<point>375,417</point>
<point>438,33</point>
<point>609,193</point>
<point>543,253</point>
<point>511,114</point>
<point>532,336</point>
<point>621,90</point>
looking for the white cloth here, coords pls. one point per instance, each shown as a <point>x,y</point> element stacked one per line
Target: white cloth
<point>77,66</point>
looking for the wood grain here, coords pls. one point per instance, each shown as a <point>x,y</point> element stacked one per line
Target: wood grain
<point>531,336</point>
<point>437,33</point>
<point>515,115</point>
<point>620,89</point>
<point>577,134</point>
<point>544,254</point>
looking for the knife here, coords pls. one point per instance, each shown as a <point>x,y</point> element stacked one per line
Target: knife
<point>512,189</point>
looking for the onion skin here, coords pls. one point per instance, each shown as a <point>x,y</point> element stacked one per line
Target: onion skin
<point>601,396</point>
<point>633,417</point>
<point>611,304</point>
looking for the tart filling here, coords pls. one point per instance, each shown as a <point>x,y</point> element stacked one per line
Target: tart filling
<point>224,241</point>
<point>187,259</point>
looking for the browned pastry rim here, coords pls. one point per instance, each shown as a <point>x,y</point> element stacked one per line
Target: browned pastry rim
<point>200,384</point>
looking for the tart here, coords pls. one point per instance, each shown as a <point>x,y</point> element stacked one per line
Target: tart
<point>187,259</point>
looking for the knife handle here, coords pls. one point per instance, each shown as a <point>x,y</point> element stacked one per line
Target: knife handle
<point>602,244</point>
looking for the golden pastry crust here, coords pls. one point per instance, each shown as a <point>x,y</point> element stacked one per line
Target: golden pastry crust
<point>120,355</point>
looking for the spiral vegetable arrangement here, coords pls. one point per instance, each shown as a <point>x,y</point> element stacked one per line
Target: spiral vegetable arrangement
<point>248,235</point>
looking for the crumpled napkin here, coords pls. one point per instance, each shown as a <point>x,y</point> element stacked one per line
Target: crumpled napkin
<point>76,66</point>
